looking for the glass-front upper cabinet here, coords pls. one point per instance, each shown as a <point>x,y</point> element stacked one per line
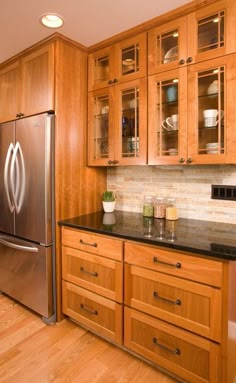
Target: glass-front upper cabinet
<point>211,111</point>
<point>123,61</point>
<point>198,36</point>
<point>117,133</point>
<point>167,118</point>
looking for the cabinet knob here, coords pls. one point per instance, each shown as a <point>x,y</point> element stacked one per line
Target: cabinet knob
<point>18,115</point>
<point>189,160</point>
<point>189,59</point>
<point>115,162</point>
<point>181,160</point>
<point>110,162</point>
<point>110,82</point>
<point>182,61</point>
<point>115,80</point>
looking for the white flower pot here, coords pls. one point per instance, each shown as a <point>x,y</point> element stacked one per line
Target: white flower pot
<point>108,207</point>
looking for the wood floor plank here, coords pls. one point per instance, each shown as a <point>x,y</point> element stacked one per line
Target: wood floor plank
<point>32,352</point>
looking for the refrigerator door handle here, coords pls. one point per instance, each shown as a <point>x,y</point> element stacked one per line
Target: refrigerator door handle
<point>18,247</point>
<point>18,196</point>
<point>8,187</point>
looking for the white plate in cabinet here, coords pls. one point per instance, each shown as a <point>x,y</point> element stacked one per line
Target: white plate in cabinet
<point>187,355</point>
<point>187,304</point>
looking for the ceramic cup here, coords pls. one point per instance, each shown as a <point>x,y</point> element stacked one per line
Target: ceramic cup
<point>171,123</point>
<point>211,117</point>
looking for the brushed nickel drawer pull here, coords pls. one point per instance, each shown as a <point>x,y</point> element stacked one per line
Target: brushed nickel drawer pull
<point>88,244</point>
<point>157,296</point>
<point>177,265</point>
<point>89,311</point>
<point>175,352</point>
<point>93,274</point>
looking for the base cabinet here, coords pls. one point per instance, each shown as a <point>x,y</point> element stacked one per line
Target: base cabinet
<point>92,285</point>
<point>187,355</point>
<point>169,307</point>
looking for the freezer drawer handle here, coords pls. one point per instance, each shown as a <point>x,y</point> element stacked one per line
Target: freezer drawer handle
<point>157,296</point>
<point>19,247</point>
<point>88,244</point>
<point>93,274</point>
<point>175,352</point>
<point>93,312</point>
<point>177,265</point>
<point>6,176</point>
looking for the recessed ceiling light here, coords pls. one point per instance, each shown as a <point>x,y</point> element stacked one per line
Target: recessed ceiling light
<point>52,20</point>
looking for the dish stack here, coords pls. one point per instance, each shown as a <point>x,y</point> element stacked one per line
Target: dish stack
<point>212,148</point>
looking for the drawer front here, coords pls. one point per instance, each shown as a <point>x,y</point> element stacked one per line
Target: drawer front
<point>175,263</point>
<point>101,275</point>
<point>97,313</point>
<point>187,355</point>
<point>187,304</point>
<point>93,243</point>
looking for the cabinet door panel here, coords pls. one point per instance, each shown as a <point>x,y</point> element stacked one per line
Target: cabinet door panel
<point>190,305</point>
<point>175,263</point>
<point>93,243</point>
<point>189,356</point>
<point>9,92</point>
<point>93,311</point>
<point>101,275</point>
<point>38,81</point>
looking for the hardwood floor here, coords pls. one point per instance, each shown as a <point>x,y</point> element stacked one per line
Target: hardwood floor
<point>32,352</point>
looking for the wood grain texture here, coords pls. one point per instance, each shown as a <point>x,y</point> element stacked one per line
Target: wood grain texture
<point>31,351</point>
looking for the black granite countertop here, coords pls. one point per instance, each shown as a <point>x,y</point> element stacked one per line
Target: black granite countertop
<point>212,239</point>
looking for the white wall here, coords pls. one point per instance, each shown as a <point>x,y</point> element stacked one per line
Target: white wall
<point>189,185</point>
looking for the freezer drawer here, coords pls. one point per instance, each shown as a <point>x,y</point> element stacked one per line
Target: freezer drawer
<point>26,274</point>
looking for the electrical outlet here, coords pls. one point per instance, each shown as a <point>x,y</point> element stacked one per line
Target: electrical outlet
<point>224,192</point>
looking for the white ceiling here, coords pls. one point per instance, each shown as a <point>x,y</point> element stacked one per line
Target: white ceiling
<point>86,21</point>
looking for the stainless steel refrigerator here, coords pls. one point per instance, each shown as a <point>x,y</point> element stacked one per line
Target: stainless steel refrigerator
<point>27,250</point>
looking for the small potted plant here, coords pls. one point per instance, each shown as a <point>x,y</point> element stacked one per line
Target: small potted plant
<point>108,201</point>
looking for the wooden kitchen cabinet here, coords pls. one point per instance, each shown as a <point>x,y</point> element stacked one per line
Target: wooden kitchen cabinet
<point>117,63</point>
<point>117,124</point>
<point>190,357</point>
<point>92,286</point>
<point>9,91</point>
<point>27,84</point>
<point>187,94</point>
<point>173,299</point>
<point>197,36</point>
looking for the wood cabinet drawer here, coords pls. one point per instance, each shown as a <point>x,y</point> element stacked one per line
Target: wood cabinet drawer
<point>101,275</point>
<point>187,304</point>
<point>93,243</point>
<point>175,263</point>
<point>189,356</point>
<point>97,313</point>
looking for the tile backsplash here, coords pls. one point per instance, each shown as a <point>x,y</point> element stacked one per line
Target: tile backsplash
<point>189,185</point>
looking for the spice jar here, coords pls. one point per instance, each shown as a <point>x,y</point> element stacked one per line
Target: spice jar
<point>148,207</point>
<point>171,210</point>
<point>159,208</point>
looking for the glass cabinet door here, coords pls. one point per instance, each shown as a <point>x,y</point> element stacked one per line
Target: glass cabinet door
<point>167,46</point>
<point>101,68</point>
<point>131,58</point>
<point>131,136</point>
<point>100,127</point>
<point>166,144</point>
<point>211,110</point>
